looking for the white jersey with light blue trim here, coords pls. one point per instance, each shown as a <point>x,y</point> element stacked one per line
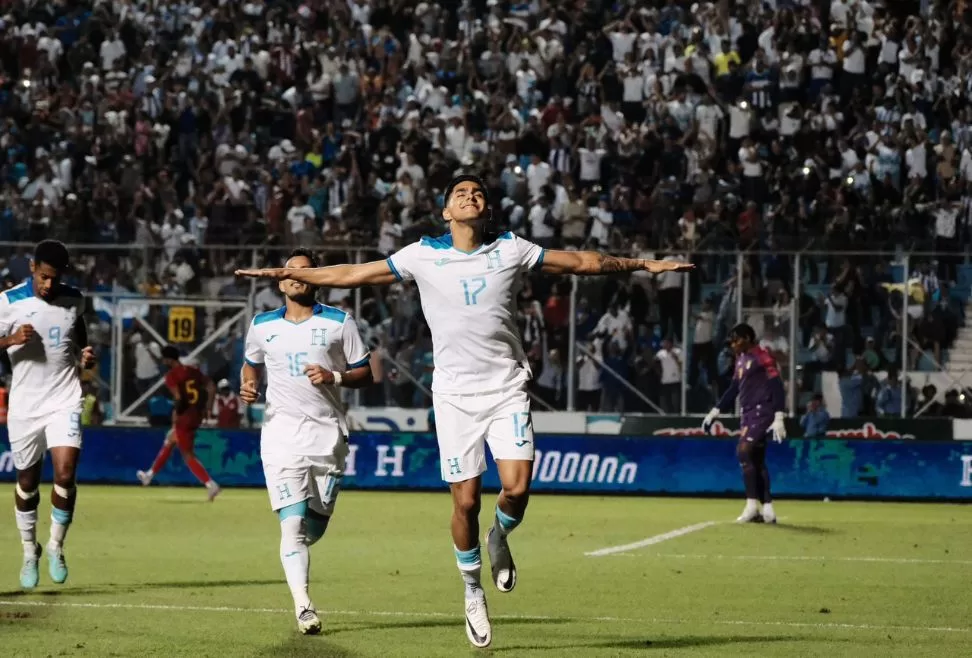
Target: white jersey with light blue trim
<point>469,302</point>
<point>46,373</point>
<point>330,339</point>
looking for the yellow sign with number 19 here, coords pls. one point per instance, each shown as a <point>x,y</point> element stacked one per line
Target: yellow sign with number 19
<point>182,324</point>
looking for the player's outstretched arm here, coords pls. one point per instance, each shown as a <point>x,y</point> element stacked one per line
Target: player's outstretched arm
<point>594,262</point>
<point>375,273</point>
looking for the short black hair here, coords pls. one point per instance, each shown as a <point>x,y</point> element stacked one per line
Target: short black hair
<point>743,330</point>
<point>306,253</point>
<point>171,352</point>
<point>53,253</point>
<point>462,178</point>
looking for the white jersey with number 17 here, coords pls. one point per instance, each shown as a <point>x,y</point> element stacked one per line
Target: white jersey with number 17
<point>330,339</point>
<point>469,302</point>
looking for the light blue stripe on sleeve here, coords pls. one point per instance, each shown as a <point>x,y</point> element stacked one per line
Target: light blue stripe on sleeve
<point>394,270</point>
<point>539,263</point>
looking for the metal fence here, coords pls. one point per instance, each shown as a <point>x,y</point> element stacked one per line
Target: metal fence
<point>911,305</point>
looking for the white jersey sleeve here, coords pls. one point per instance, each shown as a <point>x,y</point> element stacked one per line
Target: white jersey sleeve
<point>529,254</point>
<point>356,353</point>
<point>253,349</point>
<point>404,262</point>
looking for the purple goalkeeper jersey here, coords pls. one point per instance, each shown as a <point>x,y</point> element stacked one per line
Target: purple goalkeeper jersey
<point>756,380</point>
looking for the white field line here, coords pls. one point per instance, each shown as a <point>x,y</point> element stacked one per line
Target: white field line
<point>798,558</point>
<point>651,541</point>
<point>445,615</point>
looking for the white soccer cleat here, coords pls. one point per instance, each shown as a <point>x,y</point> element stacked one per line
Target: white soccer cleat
<point>478,629</point>
<point>308,623</point>
<point>750,515</point>
<point>500,561</point>
<point>144,477</point>
<point>768,513</point>
<point>214,491</point>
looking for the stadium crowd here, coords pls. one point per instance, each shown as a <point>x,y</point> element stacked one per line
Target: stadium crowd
<point>207,133</point>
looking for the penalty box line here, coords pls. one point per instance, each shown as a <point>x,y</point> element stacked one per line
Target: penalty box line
<point>651,541</point>
<point>513,618</point>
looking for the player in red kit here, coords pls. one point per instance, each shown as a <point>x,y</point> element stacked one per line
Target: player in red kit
<point>228,409</point>
<point>192,393</point>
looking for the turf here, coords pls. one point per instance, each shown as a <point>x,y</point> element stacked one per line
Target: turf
<point>159,572</point>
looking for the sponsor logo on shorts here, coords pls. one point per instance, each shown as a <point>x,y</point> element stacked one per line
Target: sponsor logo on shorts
<point>520,444</point>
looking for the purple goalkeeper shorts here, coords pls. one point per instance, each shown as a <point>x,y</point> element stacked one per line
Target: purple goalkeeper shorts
<point>754,428</point>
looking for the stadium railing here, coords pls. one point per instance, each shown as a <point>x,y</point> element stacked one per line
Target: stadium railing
<point>209,313</point>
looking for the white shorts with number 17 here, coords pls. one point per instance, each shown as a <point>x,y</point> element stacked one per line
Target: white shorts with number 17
<point>30,438</point>
<point>464,424</point>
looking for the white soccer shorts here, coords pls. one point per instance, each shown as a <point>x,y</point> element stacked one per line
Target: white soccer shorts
<point>30,438</point>
<point>464,424</point>
<point>294,478</point>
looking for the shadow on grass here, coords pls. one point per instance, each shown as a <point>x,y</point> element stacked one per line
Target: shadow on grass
<point>117,588</point>
<point>305,647</point>
<point>647,644</point>
<point>806,529</point>
<point>349,626</point>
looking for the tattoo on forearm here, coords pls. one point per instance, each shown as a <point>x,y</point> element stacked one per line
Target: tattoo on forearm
<point>608,264</point>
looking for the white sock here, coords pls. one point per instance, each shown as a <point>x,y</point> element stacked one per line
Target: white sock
<point>752,505</point>
<point>60,520</point>
<point>27,521</point>
<point>211,484</point>
<point>470,565</point>
<point>296,560</point>
<point>27,525</point>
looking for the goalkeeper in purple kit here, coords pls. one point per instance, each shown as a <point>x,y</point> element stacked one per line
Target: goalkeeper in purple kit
<point>756,381</point>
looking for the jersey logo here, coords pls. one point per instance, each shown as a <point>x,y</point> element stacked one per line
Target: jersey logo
<point>494,260</point>
<point>271,337</point>
<point>442,261</point>
<point>319,337</point>
<point>32,314</point>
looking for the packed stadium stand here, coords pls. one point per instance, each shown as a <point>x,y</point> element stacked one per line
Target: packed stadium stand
<point>813,160</point>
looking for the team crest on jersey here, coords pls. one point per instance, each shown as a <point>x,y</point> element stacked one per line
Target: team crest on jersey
<point>494,260</point>
<point>319,337</point>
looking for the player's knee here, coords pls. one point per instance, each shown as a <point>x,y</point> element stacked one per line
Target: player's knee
<point>744,452</point>
<point>292,533</point>
<point>517,492</point>
<point>466,501</point>
<point>64,478</point>
<point>28,480</point>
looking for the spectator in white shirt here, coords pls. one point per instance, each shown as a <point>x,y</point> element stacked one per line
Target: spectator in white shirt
<point>669,359</point>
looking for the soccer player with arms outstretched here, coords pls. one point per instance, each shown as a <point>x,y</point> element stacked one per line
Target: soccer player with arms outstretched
<point>468,280</point>
<point>308,350</point>
<point>757,383</point>
<point>43,330</point>
<point>192,394</point>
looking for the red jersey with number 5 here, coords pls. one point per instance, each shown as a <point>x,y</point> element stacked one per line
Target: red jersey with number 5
<point>191,383</point>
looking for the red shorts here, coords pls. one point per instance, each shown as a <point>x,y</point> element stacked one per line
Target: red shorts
<point>185,428</point>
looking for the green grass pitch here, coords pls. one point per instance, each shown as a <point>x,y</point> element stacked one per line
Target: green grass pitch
<point>159,572</point>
